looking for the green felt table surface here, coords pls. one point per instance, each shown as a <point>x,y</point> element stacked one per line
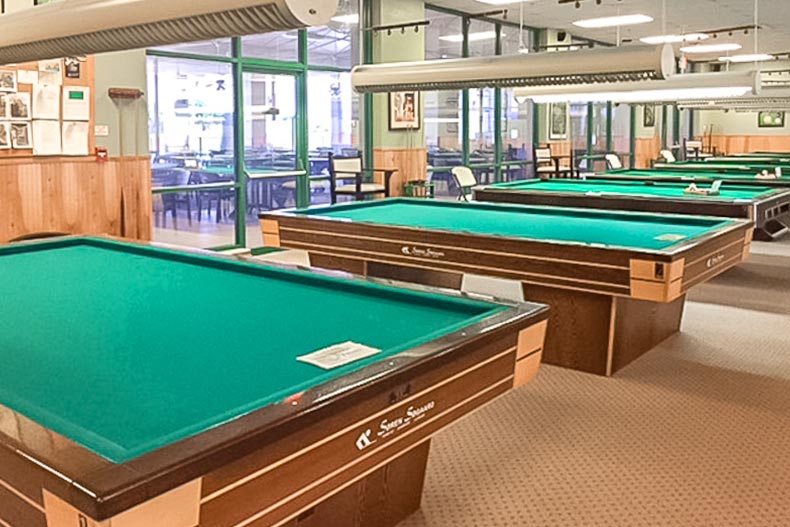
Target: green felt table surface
<point>593,227</point>
<point>732,165</point>
<point>657,173</point>
<point>126,349</point>
<point>635,188</point>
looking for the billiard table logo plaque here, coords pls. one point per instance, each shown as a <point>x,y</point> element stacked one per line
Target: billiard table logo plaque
<point>410,250</point>
<point>394,424</point>
<point>713,261</point>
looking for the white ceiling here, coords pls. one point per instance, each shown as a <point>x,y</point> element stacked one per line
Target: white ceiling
<point>683,16</point>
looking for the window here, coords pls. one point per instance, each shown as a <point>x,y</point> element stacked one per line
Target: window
<point>209,48</point>
<point>337,44</point>
<point>443,37</point>
<point>280,46</point>
<point>517,140</point>
<point>191,141</point>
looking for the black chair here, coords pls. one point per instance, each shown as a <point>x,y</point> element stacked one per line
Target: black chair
<point>347,178</point>
<point>170,202</point>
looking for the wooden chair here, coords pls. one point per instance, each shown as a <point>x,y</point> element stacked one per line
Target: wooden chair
<point>466,181</point>
<point>548,165</point>
<point>694,150</point>
<point>347,178</point>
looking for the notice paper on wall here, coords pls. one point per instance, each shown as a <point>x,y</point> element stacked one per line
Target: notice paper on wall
<point>27,77</point>
<point>46,101</point>
<point>50,71</point>
<point>76,103</point>
<point>46,138</point>
<point>75,138</point>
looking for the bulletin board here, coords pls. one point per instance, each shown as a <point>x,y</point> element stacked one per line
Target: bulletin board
<point>47,109</point>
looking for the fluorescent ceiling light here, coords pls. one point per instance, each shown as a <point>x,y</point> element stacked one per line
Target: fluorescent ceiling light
<point>473,37</point>
<point>351,19</point>
<point>613,21</point>
<point>754,57</point>
<point>679,87</point>
<point>711,48</point>
<point>769,99</point>
<point>624,64</point>
<point>675,39</point>
<point>70,28</point>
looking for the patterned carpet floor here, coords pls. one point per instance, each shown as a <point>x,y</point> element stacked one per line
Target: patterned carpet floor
<point>695,433</point>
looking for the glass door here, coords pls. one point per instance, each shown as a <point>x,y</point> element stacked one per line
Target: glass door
<point>272,146</point>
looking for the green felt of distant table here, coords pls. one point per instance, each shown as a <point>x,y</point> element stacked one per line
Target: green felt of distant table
<point>735,177</point>
<point>635,189</point>
<point>726,166</point>
<point>124,349</point>
<point>615,229</point>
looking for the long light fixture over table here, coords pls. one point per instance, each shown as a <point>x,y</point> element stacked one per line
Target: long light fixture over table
<point>82,27</point>
<point>625,64</point>
<point>769,99</point>
<point>697,86</point>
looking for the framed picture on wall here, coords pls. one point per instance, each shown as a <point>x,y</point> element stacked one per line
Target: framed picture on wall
<point>5,135</point>
<point>771,119</point>
<point>20,136</point>
<point>19,106</point>
<point>7,81</point>
<point>649,120</point>
<point>558,121</point>
<point>5,111</point>
<point>404,110</point>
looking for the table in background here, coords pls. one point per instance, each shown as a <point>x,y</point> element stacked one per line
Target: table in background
<point>150,387</point>
<point>768,208</point>
<point>616,281</point>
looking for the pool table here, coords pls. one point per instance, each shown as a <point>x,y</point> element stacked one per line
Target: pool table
<point>669,174</point>
<point>616,281</point>
<point>726,167</point>
<point>768,208</point>
<point>764,158</point>
<point>148,387</point>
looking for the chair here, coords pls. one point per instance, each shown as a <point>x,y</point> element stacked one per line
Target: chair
<point>548,165</point>
<point>613,162</point>
<point>694,150</point>
<point>668,156</point>
<point>466,181</point>
<point>347,178</point>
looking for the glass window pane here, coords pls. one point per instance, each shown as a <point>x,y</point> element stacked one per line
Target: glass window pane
<point>443,137</point>
<point>621,131</point>
<point>578,129</point>
<point>517,140</point>
<point>333,124</point>
<point>443,38</point>
<point>213,48</point>
<point>482,39</point>
<point>482,133</point>
<point>190,129</point>
<point>336,44</point>
<point>281,46</point>
<point>514,40</point>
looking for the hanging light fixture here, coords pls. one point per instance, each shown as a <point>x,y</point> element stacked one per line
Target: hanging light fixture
<point>626,64</point>
<point>769,99</point>
<point>690,86</point>
<point>82,27</point>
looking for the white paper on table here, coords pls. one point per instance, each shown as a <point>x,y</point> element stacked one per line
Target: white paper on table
<point>46,101</point>
<point>27,77</point>
<point>76,103</point>
<point>75,138</point>
<point>46,138</point>
<point>50,71</point>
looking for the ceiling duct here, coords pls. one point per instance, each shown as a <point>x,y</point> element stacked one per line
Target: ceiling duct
<point>623,64</point>
<point>688,86</point>
<point>83,27</point>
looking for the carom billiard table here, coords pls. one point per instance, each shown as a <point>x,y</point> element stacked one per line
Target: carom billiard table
<point>147,387</point>
<point>781,158</point>
<point>727,177</point>
<point>724,167</point>
<point>768,208</point>
<point>616,281</point>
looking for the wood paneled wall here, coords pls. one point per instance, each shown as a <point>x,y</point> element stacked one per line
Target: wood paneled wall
<point>738,144</point>
<point>412,164</point>
<point>76,196</point>
<point>647,150</point>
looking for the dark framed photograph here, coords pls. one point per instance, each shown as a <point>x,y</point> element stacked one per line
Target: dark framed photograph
<point>5,111</point>
<point>404,109</point>
<point>21,138</point>
<point>771,120</point>
<point>5,135</point>
<point>558,120</point>
<point>8,81</point>
<point>649,117</point>
<point>18,106</point>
